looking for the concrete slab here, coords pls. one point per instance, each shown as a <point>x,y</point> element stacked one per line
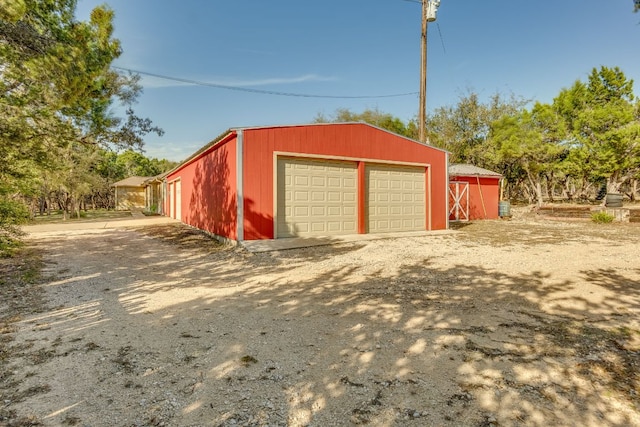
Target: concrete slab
<point>257,246</point>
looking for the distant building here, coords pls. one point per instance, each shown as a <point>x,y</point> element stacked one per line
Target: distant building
<point>155,194</point>
<point>130,193</point>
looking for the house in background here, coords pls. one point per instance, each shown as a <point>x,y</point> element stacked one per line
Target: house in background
<point>310,180</point>
<point>130,193</point>
<point>155,194</point>
<point>474,193</point>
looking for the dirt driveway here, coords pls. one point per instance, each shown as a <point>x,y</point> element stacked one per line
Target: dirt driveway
<point>518,323</point>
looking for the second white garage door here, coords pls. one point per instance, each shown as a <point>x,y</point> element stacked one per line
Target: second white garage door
<point>316,198</point>
<point>395,198</point>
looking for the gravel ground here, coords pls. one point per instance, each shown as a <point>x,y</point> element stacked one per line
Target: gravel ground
<point>504,323</point>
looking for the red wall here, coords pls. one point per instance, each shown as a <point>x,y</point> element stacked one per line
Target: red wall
<point>490,189</point>
<point>344,140</point>
<point>209,189</point>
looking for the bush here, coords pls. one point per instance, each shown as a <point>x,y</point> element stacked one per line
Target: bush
<point>12,214</point>
<point>602,217</point>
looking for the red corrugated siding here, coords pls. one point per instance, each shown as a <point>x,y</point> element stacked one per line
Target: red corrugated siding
<point>209,190</point>
<point>351,140</point>
<point>490,194</point>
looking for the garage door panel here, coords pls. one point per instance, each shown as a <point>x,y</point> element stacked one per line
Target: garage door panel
<point>301,196</point>
<point>334,182</point>
<point>334,211</point>
<point>395,198</point>
<point>318,181</point>
<point>301,211</point>
<point>349,183</point>
<point>318,196</point>
<point>325,197</point>
<point>301,181</point>
<point>349,198</point>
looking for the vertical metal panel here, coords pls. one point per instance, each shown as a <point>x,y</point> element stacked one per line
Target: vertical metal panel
<point>240,186</point>
<point>446,161</point>
<point>362,198</point>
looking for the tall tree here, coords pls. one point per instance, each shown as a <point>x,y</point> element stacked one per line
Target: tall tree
<point>604,117</point>
<point>530,142</point>
<point>57,89</point>
<point>464,129</point>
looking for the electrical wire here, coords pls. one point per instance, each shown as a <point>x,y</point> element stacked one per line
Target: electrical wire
<point>260,91</point>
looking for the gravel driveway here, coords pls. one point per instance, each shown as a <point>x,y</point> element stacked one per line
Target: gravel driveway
<point>504,323</point>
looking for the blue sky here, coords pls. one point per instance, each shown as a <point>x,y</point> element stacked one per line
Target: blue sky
<point>531,49</point>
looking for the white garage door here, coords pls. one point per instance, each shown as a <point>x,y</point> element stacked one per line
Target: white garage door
<point>395,198</point>
<point>316,198</point>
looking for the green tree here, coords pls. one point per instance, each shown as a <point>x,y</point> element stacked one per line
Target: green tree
<point>531,143</point>
<point>604,118</point>
<point>465,128</point>
<point>57,90</point>
<point>374,117</point>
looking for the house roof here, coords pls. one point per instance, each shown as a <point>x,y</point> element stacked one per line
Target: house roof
<point>234,130</point>
<point>132,181</point>
<point>460,169</point>
<point>157,178</point>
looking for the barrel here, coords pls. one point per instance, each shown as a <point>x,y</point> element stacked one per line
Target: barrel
<point>504,209</point>
<point>613,200</point>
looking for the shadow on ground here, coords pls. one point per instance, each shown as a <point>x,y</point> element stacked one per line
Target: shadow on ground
<point>197,333</point>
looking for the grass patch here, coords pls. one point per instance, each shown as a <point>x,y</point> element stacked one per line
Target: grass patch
<point>602,217</point>
<point>9,246</point>
<point>248,360</point>
<point>58,216</point>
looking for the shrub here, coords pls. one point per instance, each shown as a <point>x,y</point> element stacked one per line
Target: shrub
<point>12,214</point>
<point>602,217</point>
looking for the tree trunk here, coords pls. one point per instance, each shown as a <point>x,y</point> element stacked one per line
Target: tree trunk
<point>536,185</point>
<point>613,183</point>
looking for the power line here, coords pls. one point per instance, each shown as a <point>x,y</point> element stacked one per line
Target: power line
<point>259,91</point>
<point>441,39</point>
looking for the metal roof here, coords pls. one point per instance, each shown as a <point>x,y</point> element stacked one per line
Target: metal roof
<point>232,130</point>
<point>470,170</point>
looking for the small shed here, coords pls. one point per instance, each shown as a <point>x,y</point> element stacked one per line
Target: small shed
<point>310,180</point>
<point>474,193</point>
<point>130,193</point>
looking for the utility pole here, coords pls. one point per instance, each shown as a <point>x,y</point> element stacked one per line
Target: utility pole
<point>429,9</point>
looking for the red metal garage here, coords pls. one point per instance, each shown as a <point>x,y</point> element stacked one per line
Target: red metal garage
<point>474,193</point>
<point>310,180</point>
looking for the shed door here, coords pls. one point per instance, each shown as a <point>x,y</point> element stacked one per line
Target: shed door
<point>316,198</point>
<point>172,200</point>
<point>178,185</point>
<point>458,201</point>
<point>395,198</point>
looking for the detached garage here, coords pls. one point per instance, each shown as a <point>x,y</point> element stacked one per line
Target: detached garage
<point>310,180</point>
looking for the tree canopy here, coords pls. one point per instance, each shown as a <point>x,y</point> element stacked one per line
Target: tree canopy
<point>60,100</point>
<point>588,138</point>
<point>372,116</point>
